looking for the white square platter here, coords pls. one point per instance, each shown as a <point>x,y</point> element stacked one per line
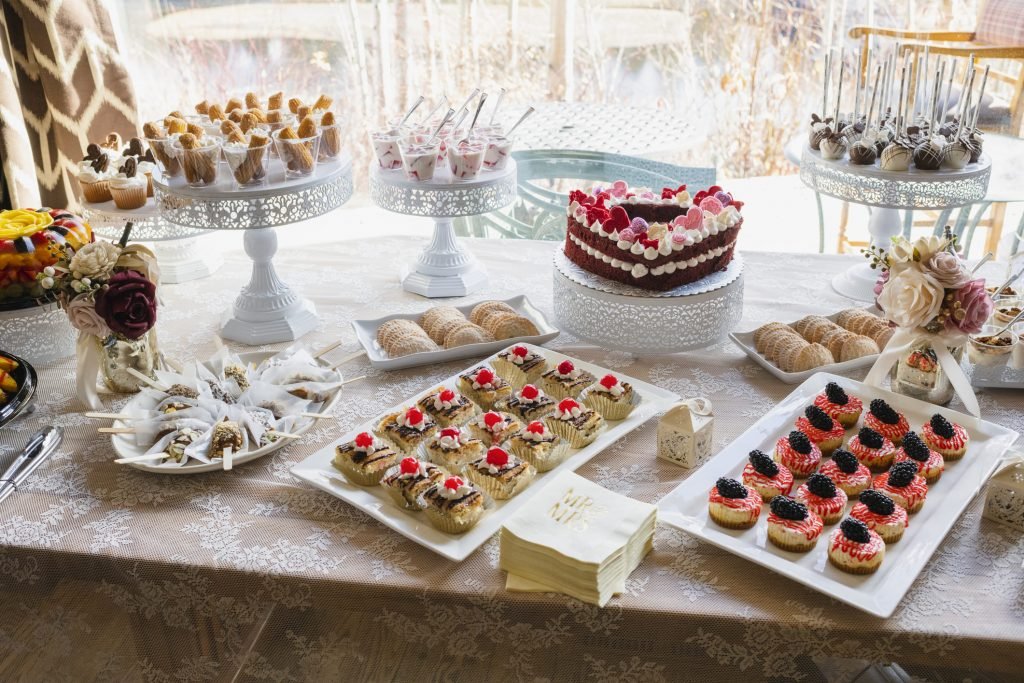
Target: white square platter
<point>879,593</point>
<point>318,470</point>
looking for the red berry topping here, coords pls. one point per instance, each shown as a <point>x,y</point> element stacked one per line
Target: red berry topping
<point>567,404</point>
<point>565,367</point>
<point>451,432</point>
<point>609,381</point>
<point>364,439</point>
<point>409,465</point>
<point>485,376</point>
<point>497,457</point>
<point>414,416</point>
<point>453,483</point>
<point>447,395</point>
<point>536,427</point>
<point>530,392</point>
<point>492,418</point>
<point>520,351</point>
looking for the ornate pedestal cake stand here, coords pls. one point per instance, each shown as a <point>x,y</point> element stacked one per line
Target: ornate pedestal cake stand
<point>626,318</point>
<point>267,310</point>
<point>444,268</point>
<point>176,247</point>
<point>888,192</point>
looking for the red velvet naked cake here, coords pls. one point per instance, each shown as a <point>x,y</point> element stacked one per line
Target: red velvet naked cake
<point>638,238</point>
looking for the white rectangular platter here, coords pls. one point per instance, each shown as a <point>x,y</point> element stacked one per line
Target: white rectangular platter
<point>366,332</point>
<point>318,470</point>
<point>879,593</point>
<point>745,340</point>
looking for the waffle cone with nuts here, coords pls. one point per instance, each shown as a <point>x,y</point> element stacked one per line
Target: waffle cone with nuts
<point>200,166</point>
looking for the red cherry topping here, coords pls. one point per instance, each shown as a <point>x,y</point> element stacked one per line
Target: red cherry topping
<point>530,392</point>
<point>618,219</point>
<point>520,351</point>
<point>364,439</point>
<point>447,395</point>
<point>536,427</point>
<point>492,418</point>
<point>567,404</point>
<point>497,457</point>
<point>565,367</point>
<point>451,432</point>
<point>609,381</point>
<point>409,465</point>
<point>485,376</point>
<point>453,483</point>
<point>414,416</point>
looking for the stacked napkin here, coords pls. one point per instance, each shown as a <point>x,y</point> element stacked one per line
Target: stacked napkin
<point>577,538</point>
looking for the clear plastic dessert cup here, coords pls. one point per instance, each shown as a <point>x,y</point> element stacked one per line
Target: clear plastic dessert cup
<point>166,156</point>
<point>200,164</point>
<point>299,155</point>
<point>466,157</point>
<point>419,156</point>
<point>499,148</point>
<point>285,118</point>
<point>385,148</point>
<point>985,348</point>
<point>248,164</point>
<point>331,139</point>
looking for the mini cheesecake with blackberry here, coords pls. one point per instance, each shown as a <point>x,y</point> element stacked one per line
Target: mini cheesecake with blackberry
<point>365,459</point>
<point>847,472</point>
<point>565,380</point>
<point>855,549</point>
<point>821,429</point>
<point>904,485</point>
<point>519,365</point>
<point>881,514</point>
<point>798,453</point>
<point>447,407</point>
<point>791,526</point>
<point>613,398</point>
<point>528,404</point>
<point>733,505</point>
<point>872,449</point>
<point>453,448</point>
<point>494,427</point>
<point>889,423</point>
<point>946,438</point>
<point>482,386</point>
<point>500,474</point>
<point>408,429</point>
<point>766,476</point>
<point>539,446</point>
<point>453,505</point>
<point>821,496</point>
<point>930,464</point>
<point>575,423</point>
<point>839,405</point>
<point>407,481</point>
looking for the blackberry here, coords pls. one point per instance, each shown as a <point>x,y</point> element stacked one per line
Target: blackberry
<point>870,438</point>
<point>877,502</point>
<point>855,530</point>
<point>763,463</point>
<point>787,508</point>
<point>836,394</point>
<point>799,442</point>
<point>846,461</point>
<point>730,488</point>
<point>818,418</point>
<point>942,427</point>
<point>884,412</point>
<point>914,447</point>
<point>821,486</point>
<point>902,473</point>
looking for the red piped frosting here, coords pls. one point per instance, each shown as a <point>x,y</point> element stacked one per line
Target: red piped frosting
<point>799,463</point>
<point>954,443</point>
<point>854,549</point>
<point>863,513</point>
<point>751,503</point>
<point>818,435</point>
<point>497,457</point>
<point>906,496</point>
<point>364,440</point>
<point>858,478</point>
<point>869,456</point>
<point>889,431</point>
<point>826,507</point>
<point>834,410</point>
<point>782,482</point>
<point>810,526</point>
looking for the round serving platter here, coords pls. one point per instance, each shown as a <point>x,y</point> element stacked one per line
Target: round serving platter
<point>443,197</point>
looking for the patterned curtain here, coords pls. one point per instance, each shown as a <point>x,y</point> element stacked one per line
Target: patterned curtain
<point>62,84</point>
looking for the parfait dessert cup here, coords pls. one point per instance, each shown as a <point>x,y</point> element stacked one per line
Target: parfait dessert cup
<point>419,156</point>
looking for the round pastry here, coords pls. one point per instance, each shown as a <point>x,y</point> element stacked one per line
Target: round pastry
<point>798,453</point>
<point>32,240</point>
<point>872,449</point>
<point>881,514</point>
<point>886,421</point>
<point>791,526</point>
<point>947,438</point>
<point>863,153</point>
<point>733,505</point>
<point>839,405</point>
<point>826,433</point>
<point>820,495</point>
<point>766,476</point>
<point>928,155</point>
<point>855,549</point>
<point>929,463</point>
<point>904,485</point>
<point>847,472</point>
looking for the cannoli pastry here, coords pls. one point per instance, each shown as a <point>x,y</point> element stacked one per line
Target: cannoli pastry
<point>365,459</point>
<point>539,446</point>
<point>175,125</point>
<point>407,481</point>
<point>247,160</point>
<point>200,165</point>
<point>295,151</point>
<point>226,434</point>
<point>453,448</point>
<point>407,429</point>
<point>215,113</point>
<point>249,122</point>
<point>500,474</point>
<point>323,103</point>
<point>203,108</point>
<point>162,149</point>
<point>454,505</point>
<point>275,101</point>
<point>233,103</point>
<point>293,105</point>
<point>330,141</point>
<point>447,407</point>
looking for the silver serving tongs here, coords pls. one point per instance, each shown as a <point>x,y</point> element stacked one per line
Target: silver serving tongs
<point>38,449</point>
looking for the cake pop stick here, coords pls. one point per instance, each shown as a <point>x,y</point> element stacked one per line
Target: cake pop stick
<point>839,86</point>
<point>925,85</point>
<point>965,98</point>
<point>898,122</point>
<point>472,125</point>
<point>419,100</point>
<point>940,77</point>
<point>981,95</point>
<point>858,84</point>
<point>874,94</point>
<point>497,105</point>
<point>917,89</point>
<point>522,118</point>
<point>949,89</point>
<point>824,90</point>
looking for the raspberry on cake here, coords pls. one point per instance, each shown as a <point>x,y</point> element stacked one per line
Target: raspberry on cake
<point>529,403</point>
<point>883,419</point>
<point>566,380</point>
<point>822,497</point>
<point>903,484</point>
<point>872,449</point>
<point>946,438</point>
<point>447,406</point>
<point>453,448</point>
<point>929,463</point>
<point>650,241</point>
<point>484,387</point>
<point>494,427</point>
<point>791,526</point>
<point>577,424</point>
<point>821,429</point>
<point>798,453</point>
<point>364,459</point>
<point>855,549</point>
<point>612,398</point>
<point>881,514</point>
<point>407,481</point>
<point>500,474</point>
<point>407,429</point>
<point>839,405</point>
<point>766,476</point>
<point>519,365</point>
<point>539,446</point>
<point>733,505</point>
<point>847,472</point>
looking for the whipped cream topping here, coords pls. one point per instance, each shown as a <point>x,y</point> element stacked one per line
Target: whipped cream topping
<point>413,419</point>
<point>454,488</point>
<point>639,270</point>
<point>451,439</point>
<point>568,410</point>
<point>445,399</point>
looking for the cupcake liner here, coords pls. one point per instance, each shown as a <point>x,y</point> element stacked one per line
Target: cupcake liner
<point>545,460</point>
<point>514,375</point>
<point>609,409</point>
<point>96,192</point>
<point>450,524</point>
<point>448,460</point>
<point>852,570</point>
<point>355,475</point>
<point>133,197</point>
<point>494,489</point>
<point>573,437</point>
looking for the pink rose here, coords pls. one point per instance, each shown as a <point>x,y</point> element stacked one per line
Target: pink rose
<point>975,307</point>
<point>947,269</point>
<point>83,317</point>
<point>883,277</point>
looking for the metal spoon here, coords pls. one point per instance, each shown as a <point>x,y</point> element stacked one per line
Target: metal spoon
<point>984,259</point>
<point>451,112</point>
<point>1010,324</point>
<point>441,104</point>
<point>1009,282</point>
<point>479,106</point>
<point>419,100</point>
<point>497,105</point>
<point>521,119</point>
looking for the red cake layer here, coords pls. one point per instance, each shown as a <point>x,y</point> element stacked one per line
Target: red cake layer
<point>600,242</point>
<point>659,283</point>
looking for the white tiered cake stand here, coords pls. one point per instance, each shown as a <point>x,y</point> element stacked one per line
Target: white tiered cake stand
<point>621,317</point>
<point>176,247</point>
<point>267,310</point>
<point>889,192</point>
<point>444,268</point>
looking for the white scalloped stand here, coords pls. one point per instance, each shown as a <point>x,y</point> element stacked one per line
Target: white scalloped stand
<point>444,268</point>
<point>888,192</point>
<point>621,317</point>
<point>267,310</point>
<point>177,248</point>
<point>39,334</point>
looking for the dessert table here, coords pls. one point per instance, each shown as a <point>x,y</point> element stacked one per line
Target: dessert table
<point>110,573</point>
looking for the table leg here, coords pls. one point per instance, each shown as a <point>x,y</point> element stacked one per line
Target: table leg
<point>858,282</point>
<point>444,268</point>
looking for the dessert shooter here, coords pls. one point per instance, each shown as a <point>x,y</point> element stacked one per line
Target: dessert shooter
<point>888,422</point>
<point>577,424</point>
<point>826,433</point>
<point>798,453</point>
<point>419,156</point>
<point>872,449</point>
<point>565,380</point>
<point>298,149</point>
<point>407,429</point>
<point>791,526</point>
<point>199,155</point>
<point>904,485</point>
<point>453,505</point>
<point>855,549</point>
<point>466,157</point>
<point>839,405</point>
<point>733,505</point>
<point>482,386</point>
<point>364,459</point>
<point>499,149</point>
<point>161,141</point>
<point>929,463</point>
<point>407,481</point>
<point>847,472</point>
<point>611,397</point>
<point>539,446</point>
<point>494,427</point>
<point>453,448</point>
<point>247,158</point>
<point>822,497</point>
<point>881,514</point>
<point>946,438</point>
<point>766,476</point>
<point>500,474</point>
<point>528,404</point>
<point>330,136</point>
<point>447,407</point>
<point>518,365</point>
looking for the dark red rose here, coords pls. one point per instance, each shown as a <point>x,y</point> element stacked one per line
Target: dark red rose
<point>128,304</point>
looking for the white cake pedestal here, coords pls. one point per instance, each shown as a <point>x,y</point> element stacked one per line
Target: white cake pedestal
<point>889,192</point>
<point>267,310</point>
<point>445,268</point>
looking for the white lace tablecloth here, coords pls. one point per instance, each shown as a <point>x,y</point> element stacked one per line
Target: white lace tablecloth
<point>108,573</point>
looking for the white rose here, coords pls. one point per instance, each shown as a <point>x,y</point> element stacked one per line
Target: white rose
<point>95,260</point>
<point>901,252</point>
<point>926,247</point>
<point>911,298</point>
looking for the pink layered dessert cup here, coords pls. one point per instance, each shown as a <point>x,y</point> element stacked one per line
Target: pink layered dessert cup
<point>419,157</point>
<point>499,148</point>
<point>386,149</point>
<point>466,157</point>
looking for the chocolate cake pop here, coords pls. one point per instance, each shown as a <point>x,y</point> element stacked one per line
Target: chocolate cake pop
<point>898,154</point>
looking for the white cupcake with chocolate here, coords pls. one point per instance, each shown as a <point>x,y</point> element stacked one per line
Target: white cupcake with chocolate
<point>500,473</point>
<point>407,481</point>
<point>407,429</point>
<point>575,423</point>
<point>447,407</point>
<point>484,387</point>
<point>566,380</point>
<point>494,427</point>
<point>539,446</point>
<point>453,505</point>
<point>528,404</point>
<point>453,447</point>
<point>611,397</point>
<point>519,366</point>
